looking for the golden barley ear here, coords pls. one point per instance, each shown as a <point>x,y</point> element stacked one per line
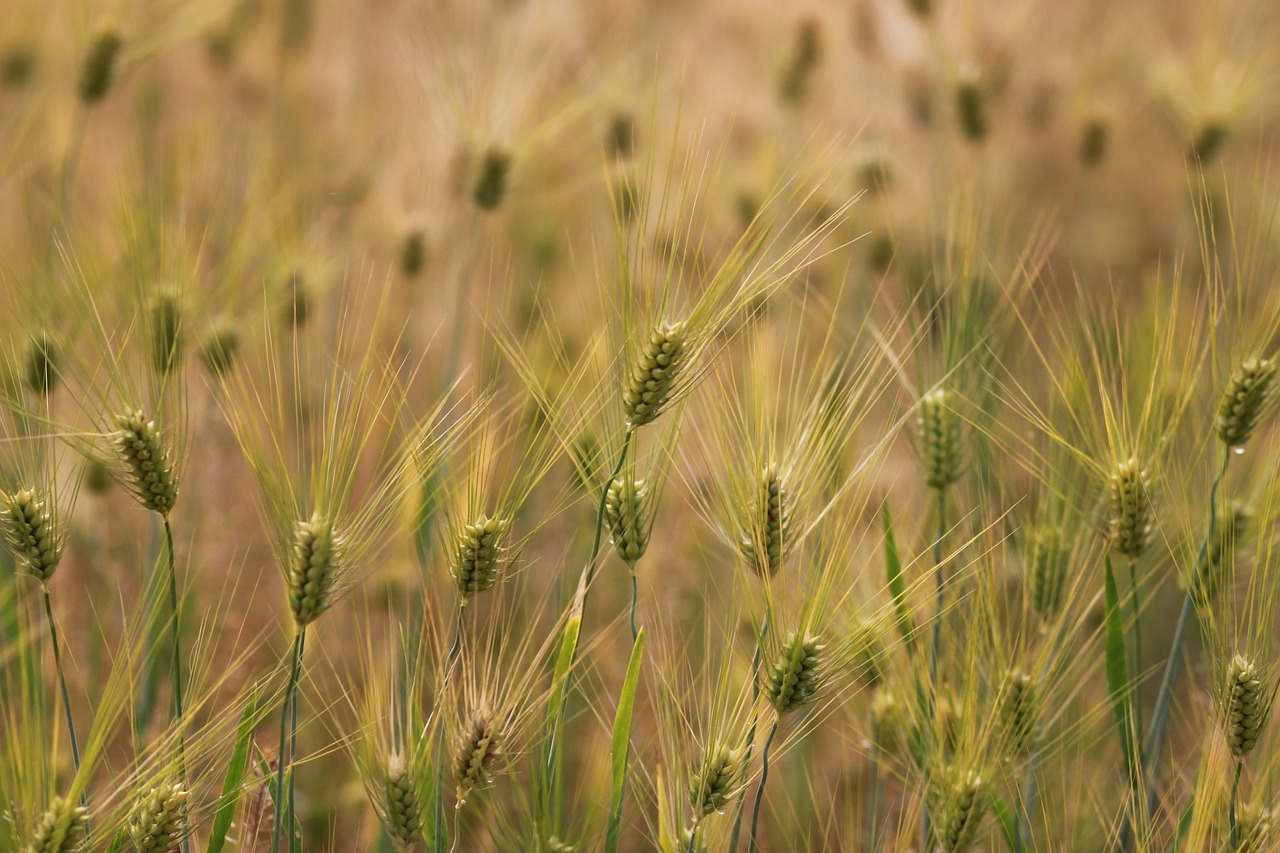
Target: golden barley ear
<point>1131,515</point>
<point>653,375</point>
<point>1247,398</point>
<point>796,675</point>
<point>158,822</point>
<point>478,750</point>
<point>28,523</point>
<point>713,784</point>
<point>1245,706</point>
<point>59,828</point>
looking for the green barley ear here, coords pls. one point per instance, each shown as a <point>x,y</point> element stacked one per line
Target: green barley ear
<point>99,66</point>
<point>1018,711</point>
<point>97,476</point>
<point>43,358</point>
<point>627,514</point>
<point>137,443</point>
<point>477,555</point>
<point>219,348</point>
<point>1046,570</point>
<point>807,52</point>
<point>28,523</point>
<point>714,784</point>
<point>772,524</point>
<point>477,753</point>
<point>960,806</point>
<point>297,301</point>
<point>555,844</point>
<point>868,659</point>
<point>59,829</point>
<point>891,720</point>
<point>158,822</point>
<point>1255,823</point>
<point>1208,140</point>
<point>18,66</point>
<point>313,567</point>
<point>1247,397</point>
<point>587,455</point>
<point>1214,569</point>
<point>971,109</point>
<point>1245,705</point>
<point>413,253</point>
<point>940,438</point>
<point>166,330</point>
<point>1093,142</point>
<point>796,676</point>
<point>491,185</point>
<point>1130,520</point>
<point>923,8</point>
<point>653,375</point>
<point>401,806</point>
<point>621,138</point>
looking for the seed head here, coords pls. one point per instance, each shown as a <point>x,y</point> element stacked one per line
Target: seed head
<point>1130,509</point>
<point>137,443</point>
<point>890,718</point>
<point>1093,142</point>
<point>1247,397</point>
<point>712,785</point>
<point>413,253</point>
<point>1046,568</point>
<point>318,551</point>
<point>28,523</point>
<point>1255,833</point>
<point>621,138</point>
<point>219,348</point>
<point>159,820</point>
<point>477,753</point>
<point>960,807</point>
<point>18,66</point>
<point>795,677</point>
<point>764,542</point>
<point>166,332</point>
<point>491,186</point>
<point>654,374</point>
<point>971,109</point>
<point>43,358</point>
<point>99,66</point>
<point>627,513</point>
<point>1215,568</point>
<point>477,555</point>
<point>940,437</point>
<point>1018,711</point>
<point>808,48</point>
<point>1209,140</point>
<point>868,661</point>
<point>1246,701</point>
<point>401,806</point>
<point>59,828</point>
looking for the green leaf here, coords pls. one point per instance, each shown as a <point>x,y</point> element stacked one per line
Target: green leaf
<point>550,777</point>
<point>1118,667</point>
<point>1006,819</point>
<point>1184,824</point>
<point>122,838</point>
<point>897,586</point>
<point>622,743</point>
<point>233,782</point>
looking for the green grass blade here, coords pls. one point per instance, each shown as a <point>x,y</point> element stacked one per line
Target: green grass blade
<point>1005,819</point>
<point>122,838</point>
<point>549,785</point>
<point>897,586</point>
<point>1118,666</point>
<point>232,783</point>
<point>622,742</point>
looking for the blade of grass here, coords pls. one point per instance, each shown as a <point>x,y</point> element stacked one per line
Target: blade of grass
<point>897,585</point>
<point>229,799</point>
<point>622,742</point>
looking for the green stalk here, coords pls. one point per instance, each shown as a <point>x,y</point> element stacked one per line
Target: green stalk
<point>751,732</point>
<point>764,777</point>
<point>438,835</point>
<point>1235,797</point>
<point>634,596</point>
<point>1160,716</point>
<point>175,630</point>
<point>873,784</point>
<point>1134,597</point>
<point>940,583</point>
<point>66,698</point>
<point>284,757</point>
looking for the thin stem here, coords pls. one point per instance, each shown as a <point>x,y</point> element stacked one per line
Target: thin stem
<point>1027,802</point>
<point>751,733</point>
<point>175,630</point>
<point>1235,797</point>
<point>1154,743</point>
<point>283,759</point>
<point>604,497</point>
<point>693,838</point>
<point>764,777</point>
<point>295,843</point>
<point>634,595</point>
<point>62,683</point>
<point>940,583</point>
<point>873,784</point>
<point>1136,675</point>
<point>441,828</point>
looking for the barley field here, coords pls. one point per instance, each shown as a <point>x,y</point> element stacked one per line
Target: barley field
<point>639,425</point>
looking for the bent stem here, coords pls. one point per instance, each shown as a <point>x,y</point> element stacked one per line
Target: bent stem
<point>1154,743</point>
<point>62,684</point>
<point>764,777</point>
<point>285,758</point>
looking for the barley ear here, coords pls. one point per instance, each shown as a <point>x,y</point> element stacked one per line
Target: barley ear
<point>940,438</point>
<point>491,185</point>
<point>1255,829</point>
<point>653,374</point>
<point>1046,561</point>
<point>1246,399</point>
<point>795,678</point>
<point>158,821</point>
<point>1130,521</point>
<point>477,753</point>
<point>712,786</point>
<point>772,524</point>
<point>1246,701</point>
<point>43,358</point>
<point>99,66</point>
<point>626,512</point>
<point>1018,712</point>
<point>402,803</point>
<point>28,523</point>
<point>59,828</point>
<point>137,443</point>
<point>314,565</point>
<point>960,805</point>
<point>477,555</point>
